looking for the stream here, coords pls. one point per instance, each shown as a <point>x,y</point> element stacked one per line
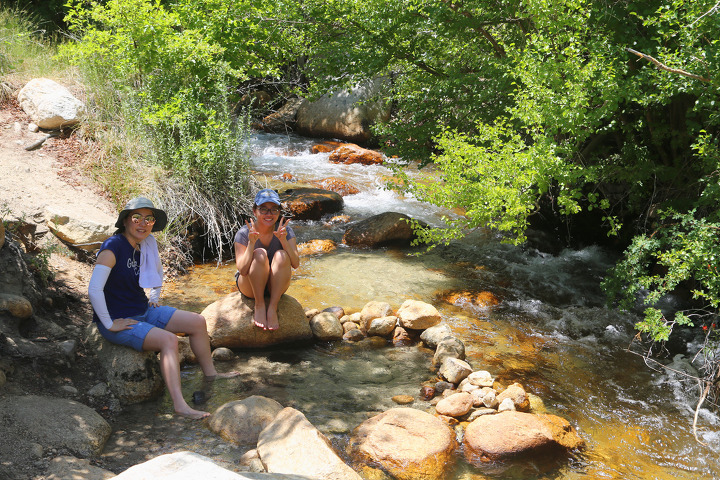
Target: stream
<point>550,331</point>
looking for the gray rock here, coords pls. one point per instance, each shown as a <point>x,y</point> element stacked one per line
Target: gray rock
<point>344,114</point>
<point>326,326</point>
<point>242,421</point>
<point>71,468</point>
<point>291,444</point>
<point>75,229</point>
<point>389,228</point>
<point>449,347</point>
<point>223,354</point>
<point>433,335</point>
<point>132,376</point>
<point>454,370</point>
<point>383,326</point>
<point>53,423</point>
<point>99,390</point>
<point>49,104</point>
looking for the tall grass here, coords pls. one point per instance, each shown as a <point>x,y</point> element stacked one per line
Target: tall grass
<point>27,50</point>
<point>123,154</point>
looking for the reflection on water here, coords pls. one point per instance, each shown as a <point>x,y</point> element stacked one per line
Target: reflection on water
<point>550,331</point>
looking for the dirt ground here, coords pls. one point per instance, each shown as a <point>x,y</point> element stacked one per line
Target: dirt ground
<point>31,183</point>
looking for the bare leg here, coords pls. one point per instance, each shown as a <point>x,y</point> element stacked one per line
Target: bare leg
<point>279,283</point>
<point>258,276</point>
<point>193,324</point>
<point>165,342</point>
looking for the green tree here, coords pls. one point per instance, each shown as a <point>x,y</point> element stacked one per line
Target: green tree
<point>575,106</point>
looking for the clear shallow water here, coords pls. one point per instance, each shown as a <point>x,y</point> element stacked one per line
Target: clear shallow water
<point>550,331</point>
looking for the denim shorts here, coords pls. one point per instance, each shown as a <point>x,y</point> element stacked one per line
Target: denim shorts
<point>135,336</point>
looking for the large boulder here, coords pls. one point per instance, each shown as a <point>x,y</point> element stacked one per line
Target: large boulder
<point>350,153</point>
<point>49,104</point>
<point>242,421</point>
<point>134,377</point>
<point>507,434</point>
<point>283,120</point>
<point>311,203</point>
<point>230,323</point>
<point>389,228</point>
<point>346,115</point>
<point>292,445</point>
<point>53,423</point>
<point>407,443</point>
<point>77,230</point>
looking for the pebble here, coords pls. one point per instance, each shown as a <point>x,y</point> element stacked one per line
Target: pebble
<point>403,399</point>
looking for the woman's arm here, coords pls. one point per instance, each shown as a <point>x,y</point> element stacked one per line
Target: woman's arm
<point>103,266</point>
<point>290,246</point>
<point>244,253</point>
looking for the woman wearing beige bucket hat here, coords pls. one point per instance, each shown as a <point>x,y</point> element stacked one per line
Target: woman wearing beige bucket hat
<point>127,263</point>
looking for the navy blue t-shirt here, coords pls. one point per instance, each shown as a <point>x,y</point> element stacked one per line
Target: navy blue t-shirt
<point>123,295</point>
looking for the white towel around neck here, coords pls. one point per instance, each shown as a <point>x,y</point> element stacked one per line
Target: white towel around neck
<point>151,272</point>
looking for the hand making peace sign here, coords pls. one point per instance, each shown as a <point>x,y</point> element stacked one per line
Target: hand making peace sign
<point>253,233</point>
<point>281,232</point>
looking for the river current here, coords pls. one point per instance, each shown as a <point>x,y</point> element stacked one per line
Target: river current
<point>550,331</point>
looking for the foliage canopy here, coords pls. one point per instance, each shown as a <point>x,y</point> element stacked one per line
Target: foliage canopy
<point>573,107</point>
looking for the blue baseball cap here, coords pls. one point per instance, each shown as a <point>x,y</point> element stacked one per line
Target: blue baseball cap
<point>267,195</point>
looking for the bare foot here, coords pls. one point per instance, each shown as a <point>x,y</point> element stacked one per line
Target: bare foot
<point>272,319</point>
<point>192,414</point>
<point>259,319</point>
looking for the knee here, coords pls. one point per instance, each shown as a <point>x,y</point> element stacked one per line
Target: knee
<point>169,342</point>
<point>198,323</point>
<point>281,258</point>
<point>260,255</point>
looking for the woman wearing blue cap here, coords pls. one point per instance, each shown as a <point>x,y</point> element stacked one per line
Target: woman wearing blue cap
<point>265,254</point>
<point>129,262</point>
